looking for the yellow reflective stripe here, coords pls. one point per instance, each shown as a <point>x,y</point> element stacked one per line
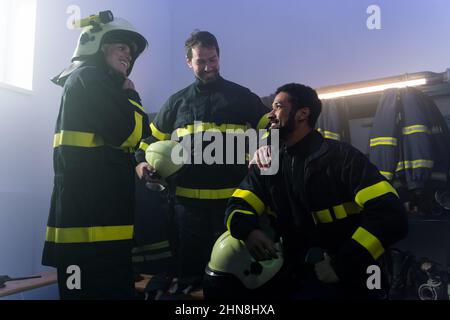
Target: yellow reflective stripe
<point>387,175</point>
<point>136,104</point>
<point>158,134</point>
<point>263,122</point>
<point>251,198</point>
<point>143,146</point>
<point>332,135</point>
<point>415,164</point>
<point>422,163</point>
<point>323,216</point>
<point>339,212</point>
<point>351,208</point>
<point>212,194</point>
<point>151,257</point>
<point>154,246</point>
<point>415,129</point>
<point>368,241</point>
<point>136,135</point>
<point>329,134</point>
<point>204,126</point>
<point>77,139</point>
<point>387,141</point>
<point>232,214</point>
<point>374,191</point>
<point>89,234</point>
<point>181,132</point>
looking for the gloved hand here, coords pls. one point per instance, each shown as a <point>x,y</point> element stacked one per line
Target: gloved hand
<point>324,270</point>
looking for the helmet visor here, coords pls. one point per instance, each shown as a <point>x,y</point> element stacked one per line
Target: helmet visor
<point>135,42</point>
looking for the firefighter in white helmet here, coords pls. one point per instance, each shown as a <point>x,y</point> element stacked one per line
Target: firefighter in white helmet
<point>90,47</point>
<point>100,123</point>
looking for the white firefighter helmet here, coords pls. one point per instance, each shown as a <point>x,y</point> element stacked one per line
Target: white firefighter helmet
<point>166,157</point>
<point>118,30</point>
<point>231,256</point>
<point>93,36</point>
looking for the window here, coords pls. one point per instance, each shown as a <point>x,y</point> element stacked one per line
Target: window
<point>17,33</point>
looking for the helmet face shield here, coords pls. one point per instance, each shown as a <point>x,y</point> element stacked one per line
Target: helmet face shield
<point>134,41</point>
<point>111,38</point>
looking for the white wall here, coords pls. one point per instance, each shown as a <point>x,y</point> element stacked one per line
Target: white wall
<point>266,43</point>
<point>27,124</point>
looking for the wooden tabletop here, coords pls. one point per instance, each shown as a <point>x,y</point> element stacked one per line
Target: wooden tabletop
<point>13,287</point>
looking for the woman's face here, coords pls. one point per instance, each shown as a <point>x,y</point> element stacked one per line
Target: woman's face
<point>118,57</point>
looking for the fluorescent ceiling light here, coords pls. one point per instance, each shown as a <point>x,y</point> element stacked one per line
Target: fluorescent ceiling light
<point>352,92</point>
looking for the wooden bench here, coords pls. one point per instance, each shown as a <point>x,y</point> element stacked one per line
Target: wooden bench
<point>18,286</point>
<point>140,287</point>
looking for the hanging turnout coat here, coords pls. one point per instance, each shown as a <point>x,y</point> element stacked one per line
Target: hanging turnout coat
<point>425,141</point>
<point>385,137</point>
<point>410,139</point>
<point>333,120</point>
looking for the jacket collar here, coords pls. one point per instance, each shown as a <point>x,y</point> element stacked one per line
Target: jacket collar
<point>312,146</point>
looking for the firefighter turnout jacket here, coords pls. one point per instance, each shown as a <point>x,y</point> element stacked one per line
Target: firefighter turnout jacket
<point>328,195</point>
<point>215,107</point>
<point>98,127</point>
<point>333,120</point>
<point>410,139</point>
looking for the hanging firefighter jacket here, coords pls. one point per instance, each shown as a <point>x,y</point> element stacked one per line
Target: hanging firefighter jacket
<point>410,139</point>
<point>440,139</point>
<point>202,109</point>
<point>385,135</point>
<point>98,127</point>
<point>333,120</point>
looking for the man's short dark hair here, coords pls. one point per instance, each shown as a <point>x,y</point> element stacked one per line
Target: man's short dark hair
<point>303,96</point>
<point>200,38</point>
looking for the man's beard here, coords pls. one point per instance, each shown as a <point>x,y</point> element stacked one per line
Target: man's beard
<point>211,77</point>
<point>286,129</point>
